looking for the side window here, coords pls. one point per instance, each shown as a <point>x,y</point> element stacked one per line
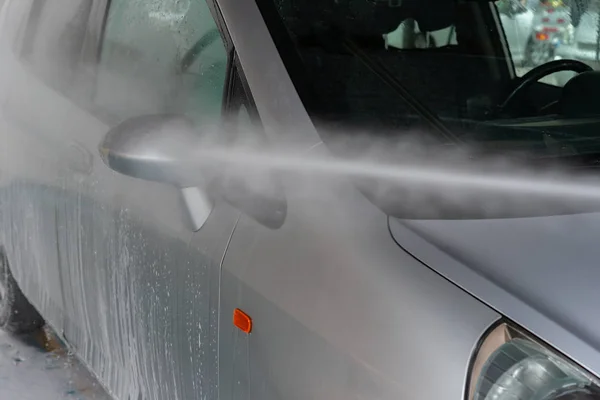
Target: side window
<point>161,56</point>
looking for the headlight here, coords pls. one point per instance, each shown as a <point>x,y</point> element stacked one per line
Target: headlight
<point>510,365</point>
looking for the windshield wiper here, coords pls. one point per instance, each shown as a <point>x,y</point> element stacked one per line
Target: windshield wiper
<point>389,79</point>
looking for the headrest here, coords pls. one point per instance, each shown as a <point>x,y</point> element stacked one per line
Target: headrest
<point>431,15</point>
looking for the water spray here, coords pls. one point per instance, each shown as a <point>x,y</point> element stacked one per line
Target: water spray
<point>439,177</point>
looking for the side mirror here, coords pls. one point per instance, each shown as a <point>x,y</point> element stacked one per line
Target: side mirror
<point>154,148</point>
<point>164,148</point>
<point>159,148</point>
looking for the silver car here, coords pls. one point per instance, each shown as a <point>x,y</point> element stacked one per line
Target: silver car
<point>173,279</point>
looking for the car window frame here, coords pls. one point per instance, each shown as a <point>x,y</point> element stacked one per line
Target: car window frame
<point>89,57</point>
<point>502,63</point>
<point>503,40</point>
<point>234,97</point>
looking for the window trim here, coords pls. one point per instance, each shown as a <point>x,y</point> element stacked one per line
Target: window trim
<point>217,15</point>
<point>234,66</point>
<point>237,94</point>
<point>229,87</point>
<point>503,42</point>
<point>238,72</point>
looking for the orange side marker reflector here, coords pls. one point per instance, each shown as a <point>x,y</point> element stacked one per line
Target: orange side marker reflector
<point>242,321</point>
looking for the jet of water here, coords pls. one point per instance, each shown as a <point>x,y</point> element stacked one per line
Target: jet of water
<point>556,184</point>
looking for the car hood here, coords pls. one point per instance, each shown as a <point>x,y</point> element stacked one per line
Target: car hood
<point>543,273</point>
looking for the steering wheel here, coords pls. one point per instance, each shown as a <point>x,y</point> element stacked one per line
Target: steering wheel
<point>201,44</point>
<point>537,73</point>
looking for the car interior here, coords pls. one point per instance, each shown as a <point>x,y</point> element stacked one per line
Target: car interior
<point>467,91</point>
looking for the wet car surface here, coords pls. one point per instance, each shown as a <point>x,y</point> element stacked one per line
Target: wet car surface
<point>140,261</point>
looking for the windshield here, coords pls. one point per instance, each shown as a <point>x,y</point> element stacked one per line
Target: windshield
<point>540,31</point>
<point>443,67</point>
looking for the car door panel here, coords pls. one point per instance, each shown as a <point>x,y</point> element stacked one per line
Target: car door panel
<point>112,231</point>
<point>148,307</point>
<point>335,302</point>
<point>138,294</point>
<point>31,167</point>
<point>29,240</point>
<point>338,309</point>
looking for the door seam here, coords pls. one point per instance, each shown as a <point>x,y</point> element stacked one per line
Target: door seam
<point>219,303</point>
<point>60,274</point>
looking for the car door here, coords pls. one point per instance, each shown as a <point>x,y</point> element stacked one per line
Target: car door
<point>136,285</point>
<point>156,299</point>
<point>337,309</point>
<point>30,166</point>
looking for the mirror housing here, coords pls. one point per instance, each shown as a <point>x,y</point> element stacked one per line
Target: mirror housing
<point>155,148</point>
<point>164,148</point>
